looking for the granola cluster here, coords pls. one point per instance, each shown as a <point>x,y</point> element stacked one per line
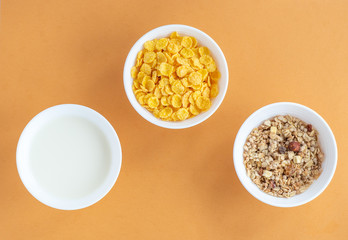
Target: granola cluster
<point>282,156</point>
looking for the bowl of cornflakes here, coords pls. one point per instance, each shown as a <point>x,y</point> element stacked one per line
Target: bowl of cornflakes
<point>175,76</point>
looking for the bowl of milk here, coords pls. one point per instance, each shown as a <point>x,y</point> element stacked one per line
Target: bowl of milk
<point>69,157</point>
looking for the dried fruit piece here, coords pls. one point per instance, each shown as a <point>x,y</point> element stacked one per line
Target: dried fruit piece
<point>281,149</point>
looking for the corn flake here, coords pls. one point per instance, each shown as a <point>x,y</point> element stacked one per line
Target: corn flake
<point>166,69</point>
<point>140,54</point>
<point>195,78</point>
<point>194,110</point>
<point>174,77</point>
<point>211,67</point>
<point>182,114</point>
<point>176,101</point>
<point>182,71</point>
<point>168,90</point>
<point>206,59</point>
<point>187,53</point>
<point>157,92</point>
<point>186,42</point>
<point>173,48</point>
<point>145,68</point>
<point>164,101</point>
<point>141,76</point>
<point>185,83</point>
<point>161,57</point>
<point>194,41</point>
<point>215,76</point>
<point>206,92</point>
<point>185,99</point>
<point>166,112</point>
<point>150,46</point>
<point>204,73</point>
<point>177,87</point>
<point>203,51</point>
<point>162,43</point>
<point>174,35</point>
<point>149,57</point>
<point>149,85</point>
<point>134,72</point>
<point>203,103</point>
<point>153,102</point>
<point>214,90</point>
<point>182,61</point>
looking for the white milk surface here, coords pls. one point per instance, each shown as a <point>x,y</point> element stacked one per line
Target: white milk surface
<point>70,157</point>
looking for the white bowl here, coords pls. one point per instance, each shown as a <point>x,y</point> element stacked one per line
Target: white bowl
<point>24,146</point>
<point>203,40</point>
<point>326,141</point>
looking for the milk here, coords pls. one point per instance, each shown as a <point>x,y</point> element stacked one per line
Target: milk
<point>69,157</point>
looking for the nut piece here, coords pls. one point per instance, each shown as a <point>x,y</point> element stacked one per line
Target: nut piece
<point>273,130</point>
<point>267,123</point>
<point>309,163</point>
<point>267,174</point>
<point>297,159</point>
<point>291,155</point>
<point>294,146</point>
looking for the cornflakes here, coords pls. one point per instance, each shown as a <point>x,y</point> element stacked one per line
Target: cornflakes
<point>161,43</point>
<point>150,46</point>
<point>149,57</point>
<point>177,87</point>
<point>146,68</point>
<point>176,101</point>
<point>195,78</point>
<point>161,57</point>
<point>166,69</point>
<point>187,53</point>
<point>182,113</point>
<point>203,103</point>
<point>153,102</point>
<point>186,42</point>
<point>166,112</point>
<point>175,78</point>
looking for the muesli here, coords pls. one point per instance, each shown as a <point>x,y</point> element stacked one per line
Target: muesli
<point>282,156</point>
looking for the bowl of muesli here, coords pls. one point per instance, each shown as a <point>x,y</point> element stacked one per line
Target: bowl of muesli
<point>285,154</point>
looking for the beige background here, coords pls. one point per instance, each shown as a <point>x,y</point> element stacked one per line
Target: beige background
<point>174,184</point>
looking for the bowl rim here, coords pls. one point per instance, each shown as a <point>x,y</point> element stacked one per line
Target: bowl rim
<point>151,118</point>
<point>240,171</point>
<point>101,123</point>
